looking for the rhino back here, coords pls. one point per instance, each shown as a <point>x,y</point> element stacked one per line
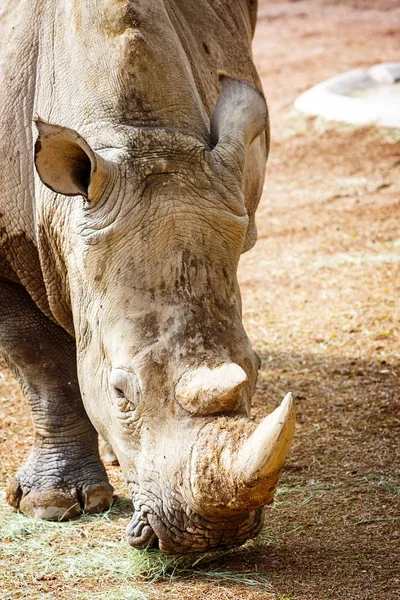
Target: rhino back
<point>216,36</point>
<point>19,259</point>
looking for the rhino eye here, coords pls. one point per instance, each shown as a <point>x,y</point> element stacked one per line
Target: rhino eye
<point>125,387</point>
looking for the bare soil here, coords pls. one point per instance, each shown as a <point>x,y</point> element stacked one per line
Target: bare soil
<point>321,304</point>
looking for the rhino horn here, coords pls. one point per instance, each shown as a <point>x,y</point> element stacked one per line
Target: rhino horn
<point>263,453</point>
<point>204,391</point>
<point>234,468</point>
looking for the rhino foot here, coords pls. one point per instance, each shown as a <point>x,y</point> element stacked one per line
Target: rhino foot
<point>57,505</point>
<point>107,453</point>
<point>40,493</point>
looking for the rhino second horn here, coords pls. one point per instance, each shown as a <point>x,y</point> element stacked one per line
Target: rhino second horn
<point>210,391</point>
<point>262,455</point>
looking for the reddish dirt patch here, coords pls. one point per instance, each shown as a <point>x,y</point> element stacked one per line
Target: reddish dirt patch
<point>321,303</point>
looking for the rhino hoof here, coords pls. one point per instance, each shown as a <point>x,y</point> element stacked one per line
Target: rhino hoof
<point>59,505</point>
<point>97,498</point>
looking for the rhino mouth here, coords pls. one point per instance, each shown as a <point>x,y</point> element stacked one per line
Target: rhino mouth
<point>190,532</point>
<point>140,533</point>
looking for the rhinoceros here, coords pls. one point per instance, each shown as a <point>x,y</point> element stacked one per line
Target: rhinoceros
<point>133,149</point>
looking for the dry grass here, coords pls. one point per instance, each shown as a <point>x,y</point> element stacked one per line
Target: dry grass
<point>93,548</point>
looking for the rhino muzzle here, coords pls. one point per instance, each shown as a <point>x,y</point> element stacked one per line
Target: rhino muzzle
<point>181,530</point>
<point>219,500</point>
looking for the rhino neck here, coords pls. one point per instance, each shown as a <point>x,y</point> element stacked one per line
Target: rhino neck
<point>130,70</point>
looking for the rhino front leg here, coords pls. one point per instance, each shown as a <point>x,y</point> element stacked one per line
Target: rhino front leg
<point>63,474</point>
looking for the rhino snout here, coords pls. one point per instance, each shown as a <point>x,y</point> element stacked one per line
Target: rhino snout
<point>180,530</point>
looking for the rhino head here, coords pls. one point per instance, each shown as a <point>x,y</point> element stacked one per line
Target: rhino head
<point>166,369</point>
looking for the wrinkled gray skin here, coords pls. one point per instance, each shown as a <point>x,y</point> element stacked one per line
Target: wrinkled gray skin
<point>119,277</point>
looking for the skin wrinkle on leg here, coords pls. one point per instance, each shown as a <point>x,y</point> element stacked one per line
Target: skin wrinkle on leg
<point>63,473</point>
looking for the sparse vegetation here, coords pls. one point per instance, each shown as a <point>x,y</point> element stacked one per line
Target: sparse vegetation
<point>90,548</point>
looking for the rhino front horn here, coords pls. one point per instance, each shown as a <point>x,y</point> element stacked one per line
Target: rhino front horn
<point>263,454</point>
<point>234,467</point>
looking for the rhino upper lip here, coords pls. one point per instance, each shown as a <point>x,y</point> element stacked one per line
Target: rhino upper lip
<point>140,533</point>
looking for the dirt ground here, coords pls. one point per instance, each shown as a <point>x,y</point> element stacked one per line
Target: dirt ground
<point>321,304</point>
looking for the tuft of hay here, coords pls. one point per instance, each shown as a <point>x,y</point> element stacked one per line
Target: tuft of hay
<point>93,548</point>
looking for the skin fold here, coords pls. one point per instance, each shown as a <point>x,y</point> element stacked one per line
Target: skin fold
<point>124,209</point>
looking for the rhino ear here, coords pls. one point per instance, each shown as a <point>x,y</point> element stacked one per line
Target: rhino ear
<point>239,117</point>
<point>66,163</point>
